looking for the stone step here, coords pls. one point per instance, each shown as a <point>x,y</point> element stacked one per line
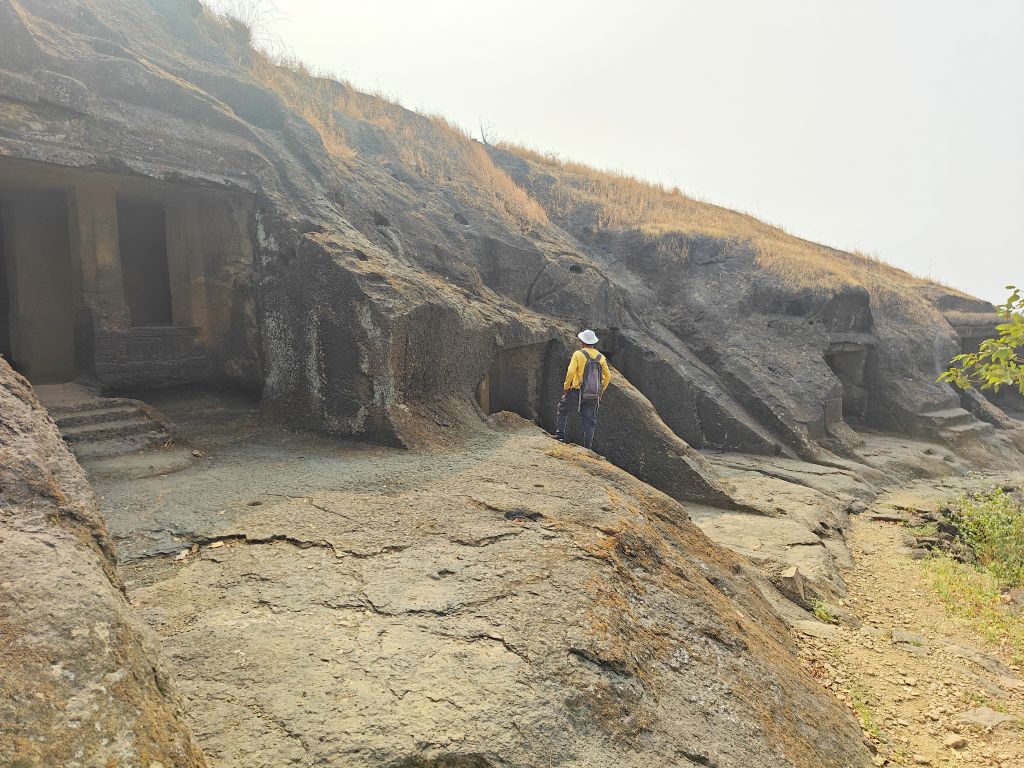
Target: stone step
<point>59,410</point>
<point>975,426</point>
<point>132,462</point>
<point>946,403</point>
<point>97,450</point>
<point>112,428</point>
<point>97,415</point>
<point>949,417</point>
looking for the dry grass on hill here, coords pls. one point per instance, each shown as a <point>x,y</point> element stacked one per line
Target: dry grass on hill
<point>428,146</point>
<point>621,201</point>
<point>444,156</point>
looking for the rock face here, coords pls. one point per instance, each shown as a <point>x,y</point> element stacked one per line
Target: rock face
<point>863,342</point>
<point>81,684</point>
<point>373,273</point>
<point>525,604</point>
<point>370,271</point>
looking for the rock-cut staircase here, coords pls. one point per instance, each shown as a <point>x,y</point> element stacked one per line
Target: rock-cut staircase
<point>109,427</point>
<point>98,428</point>
<point>952,423</point>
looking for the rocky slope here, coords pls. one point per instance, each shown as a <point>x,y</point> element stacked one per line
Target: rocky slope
<point>928,688</point>
<point>863,341</point>
<point>509,602</point>
<point>82,683</point>
<point>401,271</point>
<point>399,265</point>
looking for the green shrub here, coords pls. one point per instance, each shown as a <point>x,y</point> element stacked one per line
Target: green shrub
<point>868,722</point>
<point>999,361</point>
<point>975,595</point>
<point>823,613</point>
<point>992,527</point>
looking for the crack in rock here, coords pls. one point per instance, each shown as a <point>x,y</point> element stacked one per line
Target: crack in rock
<point>485,541</point>
<point>498,639</point>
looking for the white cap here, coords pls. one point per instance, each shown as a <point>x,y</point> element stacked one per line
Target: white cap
<point>587,337</point>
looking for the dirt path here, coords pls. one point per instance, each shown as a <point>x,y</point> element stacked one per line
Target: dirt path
<point>912,670</point>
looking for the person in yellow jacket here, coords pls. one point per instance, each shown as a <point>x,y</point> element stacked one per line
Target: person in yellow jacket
<point>580,393</point>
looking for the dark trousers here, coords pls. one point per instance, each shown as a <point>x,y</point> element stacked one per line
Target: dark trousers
<point>588,412</point>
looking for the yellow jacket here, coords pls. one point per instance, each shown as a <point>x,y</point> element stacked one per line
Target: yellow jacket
<point>574,376</point>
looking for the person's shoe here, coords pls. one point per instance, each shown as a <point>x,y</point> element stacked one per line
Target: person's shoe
<point>558,437</point>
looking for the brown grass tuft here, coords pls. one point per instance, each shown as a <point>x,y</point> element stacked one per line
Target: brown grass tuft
<point>621,201</point>
<point>429,146</point>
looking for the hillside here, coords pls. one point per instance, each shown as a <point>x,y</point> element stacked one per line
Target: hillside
<point>307,343</point>
<point>640,237</point>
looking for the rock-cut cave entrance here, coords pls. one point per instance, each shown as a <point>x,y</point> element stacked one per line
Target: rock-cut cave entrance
<point>847,361</point>
<point>122,281</point>
<point>521,380</point>
<point>142,241</point>
<point>1007,398</point>
<point>37,296</point>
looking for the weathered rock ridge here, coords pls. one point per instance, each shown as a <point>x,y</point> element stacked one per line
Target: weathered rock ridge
<point>395,268</point>
<point>82,683</point>
<point>373,273</point>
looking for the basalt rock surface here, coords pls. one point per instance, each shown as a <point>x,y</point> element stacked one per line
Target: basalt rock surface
<point>82,683</point>
<point>522,603</point>
<point>790,363</point>
<point>405,283</point>
<point>396,261</point>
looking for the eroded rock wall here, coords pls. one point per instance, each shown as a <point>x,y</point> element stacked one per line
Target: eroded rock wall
<point>393,256</point>
<point>800,341</point>
<point>82,683</point>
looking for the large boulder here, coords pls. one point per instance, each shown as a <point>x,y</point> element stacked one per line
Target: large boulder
<point>81,683</point>
<point>524,603</point>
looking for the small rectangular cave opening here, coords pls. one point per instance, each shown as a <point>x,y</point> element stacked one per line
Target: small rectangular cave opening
<point>971,344</point>
<point>517,381</point>
<point>847,362</point>
<point>142,240</point>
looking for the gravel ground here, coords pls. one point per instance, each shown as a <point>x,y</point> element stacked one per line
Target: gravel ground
<point>915,669</point>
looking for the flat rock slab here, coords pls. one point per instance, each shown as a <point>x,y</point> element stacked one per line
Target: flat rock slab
<point>817,629</point>
<point>889,517</point>
<point>532,592</point>
<point>911,642</point>
<point>983,717</point>
<point>848,481</point>
<point>1005,676</point>
<point>918,502</point>
<point>773,544</point>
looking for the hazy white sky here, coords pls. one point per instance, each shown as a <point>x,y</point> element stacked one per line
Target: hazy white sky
<point>891,126</point>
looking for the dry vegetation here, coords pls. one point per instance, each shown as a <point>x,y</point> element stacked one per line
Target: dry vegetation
<point>428,146</point>
<point>620,201</point>
<point>443,155</point>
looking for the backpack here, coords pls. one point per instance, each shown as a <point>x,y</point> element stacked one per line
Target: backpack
<point>590,384</point>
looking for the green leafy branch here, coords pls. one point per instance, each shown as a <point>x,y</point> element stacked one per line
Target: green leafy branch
<point>998,361</point>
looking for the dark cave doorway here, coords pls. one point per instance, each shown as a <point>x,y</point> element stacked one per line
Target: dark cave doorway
<point>37,294</point>
<point>524,380</point>
<point>848,361</point>
<point>5,299</point>
<point>1008,398</point>
<point>142,239</point>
